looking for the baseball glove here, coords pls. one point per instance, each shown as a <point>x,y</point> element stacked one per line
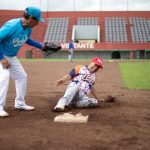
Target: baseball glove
<point>50,48</point>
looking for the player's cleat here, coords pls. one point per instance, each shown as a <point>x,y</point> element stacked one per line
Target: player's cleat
<point>24,107</point>
<point>59,108</point>
<point>3,113</point>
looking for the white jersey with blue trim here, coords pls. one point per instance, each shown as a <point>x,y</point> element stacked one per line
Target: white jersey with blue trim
<point>81,75</point>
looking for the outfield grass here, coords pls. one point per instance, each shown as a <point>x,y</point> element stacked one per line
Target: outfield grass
<point>136,75</point>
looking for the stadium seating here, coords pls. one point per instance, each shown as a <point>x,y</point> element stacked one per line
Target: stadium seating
<point>140,28</point>
<point>57,30</point>
<point>126,32</point>
<point>115,29</point>
<point>87,21</point>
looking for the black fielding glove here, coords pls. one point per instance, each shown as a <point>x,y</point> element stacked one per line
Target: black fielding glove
<point>50,48</point>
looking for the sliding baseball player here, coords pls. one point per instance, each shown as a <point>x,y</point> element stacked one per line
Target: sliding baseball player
<point>82,80</point>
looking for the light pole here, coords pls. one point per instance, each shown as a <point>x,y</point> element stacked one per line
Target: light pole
<point>47,7</point>
<point>74,5</point>
<point>100,5</point>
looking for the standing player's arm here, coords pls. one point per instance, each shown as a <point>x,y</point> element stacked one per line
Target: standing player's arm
<point>5,63</point>
<point>1,54</point>
<point>63,79</point>
<point>34,43</point>
<point>93,92</point>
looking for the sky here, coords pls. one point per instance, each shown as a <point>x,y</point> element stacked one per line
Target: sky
<point>103,5</point>
<point>78,5</point>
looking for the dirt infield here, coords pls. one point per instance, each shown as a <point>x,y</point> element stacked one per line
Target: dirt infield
<point>121,125</point>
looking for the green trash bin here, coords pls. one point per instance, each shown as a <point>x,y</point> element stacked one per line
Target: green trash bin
<point>28,54</point>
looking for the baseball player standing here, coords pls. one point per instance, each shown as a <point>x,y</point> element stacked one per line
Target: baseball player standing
<point>13,34</point>
<point>71,49</point>
<point>82,79</point>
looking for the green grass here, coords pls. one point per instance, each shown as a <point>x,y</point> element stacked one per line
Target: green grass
<point>136,75</point>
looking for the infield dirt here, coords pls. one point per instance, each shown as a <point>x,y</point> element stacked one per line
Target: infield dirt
<point>120,125</point>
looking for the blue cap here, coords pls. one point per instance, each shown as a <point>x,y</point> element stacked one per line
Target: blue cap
<point>35,12</point>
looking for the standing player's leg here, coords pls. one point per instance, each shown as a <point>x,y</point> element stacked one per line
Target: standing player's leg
<point>20,77</point>
<point>4,83</point>
<point>71,54</point>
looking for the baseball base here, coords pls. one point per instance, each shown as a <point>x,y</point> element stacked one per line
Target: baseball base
<point>68,117</point>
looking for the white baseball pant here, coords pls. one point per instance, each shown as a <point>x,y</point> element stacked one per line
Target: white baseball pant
<point>18,74</point>
<point>70,56</point>
<point>73,95</point>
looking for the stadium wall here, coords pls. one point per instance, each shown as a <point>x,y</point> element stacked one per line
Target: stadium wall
<point>127,50</point>
<point>106,50</point>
